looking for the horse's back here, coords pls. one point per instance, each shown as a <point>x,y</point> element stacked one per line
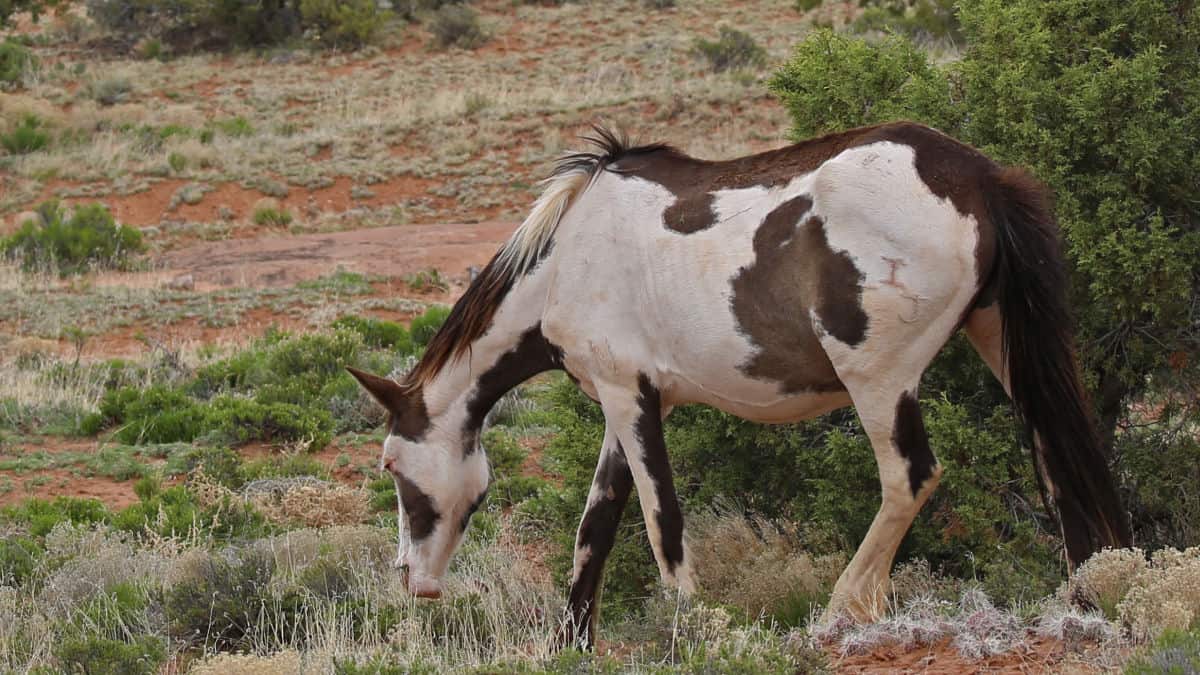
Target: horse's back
<point>744,287</point>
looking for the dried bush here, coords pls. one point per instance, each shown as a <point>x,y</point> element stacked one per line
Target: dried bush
<point>309,503</point>
<point>1164,596</point>
<point>1105,578</point>
<point>281,663</point>
<point>760,567</point>
<point>1074,628</point>
<point>731,50</point>
<point>456,26</point>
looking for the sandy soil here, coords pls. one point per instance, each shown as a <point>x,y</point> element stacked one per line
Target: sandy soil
<point>385,251</point>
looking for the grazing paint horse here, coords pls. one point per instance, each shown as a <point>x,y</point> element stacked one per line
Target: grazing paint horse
<point>776,287</point>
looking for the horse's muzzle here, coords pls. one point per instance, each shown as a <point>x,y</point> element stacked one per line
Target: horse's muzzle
<point>421,585</point>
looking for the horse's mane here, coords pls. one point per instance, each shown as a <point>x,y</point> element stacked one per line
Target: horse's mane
<point>472,315</point>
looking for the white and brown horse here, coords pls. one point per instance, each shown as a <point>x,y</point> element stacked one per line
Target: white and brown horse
<point>776,287</point>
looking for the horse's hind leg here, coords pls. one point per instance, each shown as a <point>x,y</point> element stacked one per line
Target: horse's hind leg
<point>908,474</point>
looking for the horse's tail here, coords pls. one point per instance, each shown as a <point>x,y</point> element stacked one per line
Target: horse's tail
<point>1031,283</point>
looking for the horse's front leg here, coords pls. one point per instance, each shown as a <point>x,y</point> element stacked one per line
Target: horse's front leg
<point>597,531</point>
<point>636,413</point>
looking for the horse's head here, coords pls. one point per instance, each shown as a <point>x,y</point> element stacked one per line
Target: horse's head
<point>441,478</point>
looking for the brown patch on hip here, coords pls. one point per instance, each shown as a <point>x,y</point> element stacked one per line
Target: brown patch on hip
<point>794,274</point>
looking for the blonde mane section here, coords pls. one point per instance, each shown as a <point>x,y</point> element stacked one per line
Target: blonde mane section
<point>526,245</point>
<point>472,315</point>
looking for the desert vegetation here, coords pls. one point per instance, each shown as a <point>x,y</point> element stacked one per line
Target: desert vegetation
<point>211,208</point>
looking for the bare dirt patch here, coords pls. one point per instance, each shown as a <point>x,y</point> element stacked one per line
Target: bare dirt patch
<point>48,483</point>
<point>386,251</point>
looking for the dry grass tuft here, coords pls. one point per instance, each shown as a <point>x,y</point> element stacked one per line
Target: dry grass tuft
<point>312,505</point>
<point>301,501</point>
<point>281,663</point>
<point>757,565</point>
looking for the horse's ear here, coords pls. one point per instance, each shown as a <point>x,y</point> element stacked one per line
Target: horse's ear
<point>385,390</point>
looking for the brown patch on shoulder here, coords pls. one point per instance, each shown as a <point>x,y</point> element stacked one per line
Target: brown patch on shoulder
<point>693,181</point>
<point>795,271</point>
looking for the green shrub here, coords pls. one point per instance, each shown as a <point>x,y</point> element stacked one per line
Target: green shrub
<point>341,281</point>
<point>41,515</point>
<point>342,24</point>
<point>152,50</point>
<point>223,23</point>
<point>456,25</point>
<point>157,414</point>
<point>28,136</point>
<point>174,512</point>
<point>93,654</point>
<point>35,8</point>
<point>19,557</point>
<point>378,333</point>
<point>233,420</point>
<point>89,238</point>
<point>1070,89</point>
<point>285,466</point>
<point>513,490</point>
<point>424,327</point>
<point>272,217</point>
<point>732,49</point>
<point>235,127</point>
<point>837,82</point>
<point>219,464</point>
<point>15,61</point>
<point>223,601</point>
<point>807,5</point>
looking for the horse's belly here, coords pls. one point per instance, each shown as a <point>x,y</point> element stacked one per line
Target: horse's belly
<point>751,403</point>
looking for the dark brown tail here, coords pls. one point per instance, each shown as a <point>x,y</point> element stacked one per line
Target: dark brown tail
<point>1038,345</point>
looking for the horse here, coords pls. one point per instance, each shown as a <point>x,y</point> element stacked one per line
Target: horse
<point>776,287</point>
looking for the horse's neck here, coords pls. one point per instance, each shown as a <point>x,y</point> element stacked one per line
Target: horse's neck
<point>511,351</point>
